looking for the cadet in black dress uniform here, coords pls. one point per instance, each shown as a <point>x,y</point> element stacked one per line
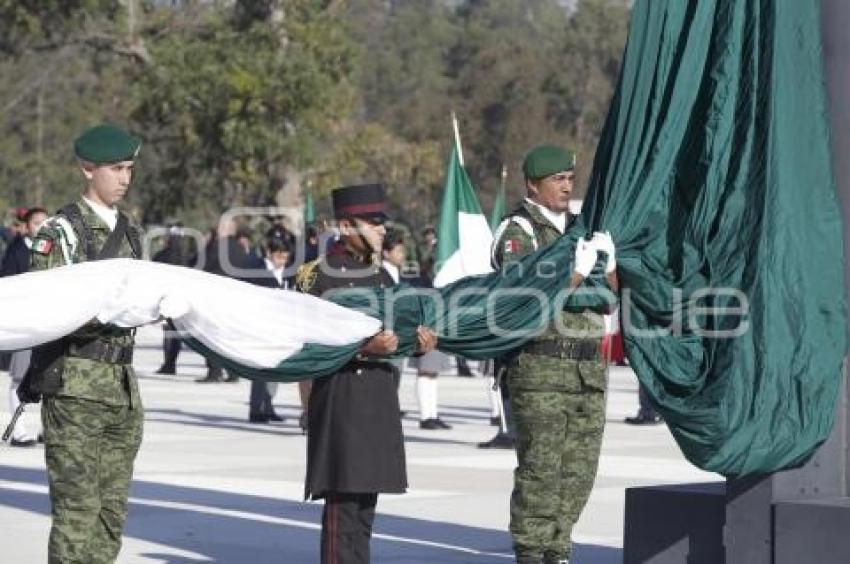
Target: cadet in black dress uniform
<point>355,447</point>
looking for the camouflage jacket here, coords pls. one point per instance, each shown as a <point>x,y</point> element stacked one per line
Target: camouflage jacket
<point>515,242</point>
<point>84,378</point>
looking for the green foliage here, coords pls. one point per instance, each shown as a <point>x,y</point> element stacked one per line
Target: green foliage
<point>517,74</point>
<point>231,98</point>
<point>230,101</point>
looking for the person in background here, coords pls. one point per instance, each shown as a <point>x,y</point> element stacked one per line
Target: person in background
<point>429,365</point>
<point>17,261</point>
<point>393,258</point>
<point>227,256</point>
<point>278,252</point>
<point>174,252</point>
<point>9,234</point>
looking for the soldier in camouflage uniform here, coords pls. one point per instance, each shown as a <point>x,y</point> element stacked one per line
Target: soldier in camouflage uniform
<point>92,413</point>
<point>556,382</point>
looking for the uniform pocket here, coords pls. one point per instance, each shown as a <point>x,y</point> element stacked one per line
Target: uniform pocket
<point>543,373</point>
<point>593,375</point>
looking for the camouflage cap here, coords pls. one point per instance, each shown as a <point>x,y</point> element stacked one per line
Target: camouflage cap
<point>106,143</point>
<point>545,160</point>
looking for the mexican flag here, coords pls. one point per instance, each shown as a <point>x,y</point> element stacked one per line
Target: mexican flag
<point>499,204</point>
<point>463,233</point>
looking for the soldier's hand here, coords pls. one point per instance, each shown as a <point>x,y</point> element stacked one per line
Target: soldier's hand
<point>426,339</point>
<point>382,344</point>
<point>585,258</point>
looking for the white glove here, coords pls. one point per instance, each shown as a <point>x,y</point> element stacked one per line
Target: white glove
<point>585,257</point>
<point>603,242</point>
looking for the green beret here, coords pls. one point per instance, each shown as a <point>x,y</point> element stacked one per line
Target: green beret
<point>106,143</point>
<point>545,160</point>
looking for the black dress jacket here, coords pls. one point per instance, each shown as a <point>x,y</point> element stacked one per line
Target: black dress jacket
<point>354,437</point>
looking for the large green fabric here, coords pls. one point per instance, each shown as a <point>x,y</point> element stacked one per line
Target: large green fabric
<point>713,171</point>
<point>713,175</point>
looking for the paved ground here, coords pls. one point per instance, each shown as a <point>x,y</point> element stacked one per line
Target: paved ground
<point>210,487</point>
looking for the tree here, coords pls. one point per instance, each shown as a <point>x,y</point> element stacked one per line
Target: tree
<point>232,103</point>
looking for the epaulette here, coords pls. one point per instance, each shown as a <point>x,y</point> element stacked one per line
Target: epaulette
<point>306,275</point>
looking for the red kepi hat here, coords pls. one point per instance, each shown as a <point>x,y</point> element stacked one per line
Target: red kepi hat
<point>361,200</point>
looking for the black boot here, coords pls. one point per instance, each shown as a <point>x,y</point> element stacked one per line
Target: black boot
<point>644,418</point>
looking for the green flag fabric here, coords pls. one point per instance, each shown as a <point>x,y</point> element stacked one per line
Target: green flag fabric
<point>498,205</point>
<point>713,175</point>
<point>309,208</point>
<point>463,235</point>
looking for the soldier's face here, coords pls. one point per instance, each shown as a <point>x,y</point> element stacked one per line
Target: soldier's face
<point>109,183</point>
<point>360,231</point>
<point>553,191</point>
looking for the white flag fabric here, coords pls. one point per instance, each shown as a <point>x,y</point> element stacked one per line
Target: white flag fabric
<point>463,234</point>
<point>253,326</point>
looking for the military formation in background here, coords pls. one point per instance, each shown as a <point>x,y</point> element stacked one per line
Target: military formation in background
<point>548,397</point>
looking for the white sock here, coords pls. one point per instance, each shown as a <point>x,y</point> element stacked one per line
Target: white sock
<point>426,394</point>
<point>494,396</point>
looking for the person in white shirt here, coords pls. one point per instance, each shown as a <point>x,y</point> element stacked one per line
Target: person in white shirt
<point>278,251</point>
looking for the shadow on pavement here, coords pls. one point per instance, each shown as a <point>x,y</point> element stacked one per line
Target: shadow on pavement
<point>216,526</point>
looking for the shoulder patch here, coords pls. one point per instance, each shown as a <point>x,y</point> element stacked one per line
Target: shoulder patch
<point>306,276</point>
<point>42,245</point>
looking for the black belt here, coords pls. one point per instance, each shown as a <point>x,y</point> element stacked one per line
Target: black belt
<point>585,349</point>
<point>100,351</point>
<point>367,364</point>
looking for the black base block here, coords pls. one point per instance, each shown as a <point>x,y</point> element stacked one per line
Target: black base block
<point>677,524</point>
<point>814,532</point>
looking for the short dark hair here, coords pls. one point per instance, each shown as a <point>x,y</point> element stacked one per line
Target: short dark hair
<point>278,245</point>
<point>31,212</point>
<point>393,238</point>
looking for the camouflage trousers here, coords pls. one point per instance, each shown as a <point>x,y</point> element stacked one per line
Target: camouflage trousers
<point>89,448</point>
<point>559,410</point>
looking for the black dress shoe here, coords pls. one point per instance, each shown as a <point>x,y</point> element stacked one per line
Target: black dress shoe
<point>168,370</point>
<point>643,419</point>
<point>441,424</point>
<point>501,440</point>
<point>429,424</point>
<point>275,417</point>
<point>258,419</point>
<point>23,442</point>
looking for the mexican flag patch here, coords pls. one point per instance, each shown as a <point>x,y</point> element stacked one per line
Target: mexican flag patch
<point>511,246</point>
<point>42,246</point>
